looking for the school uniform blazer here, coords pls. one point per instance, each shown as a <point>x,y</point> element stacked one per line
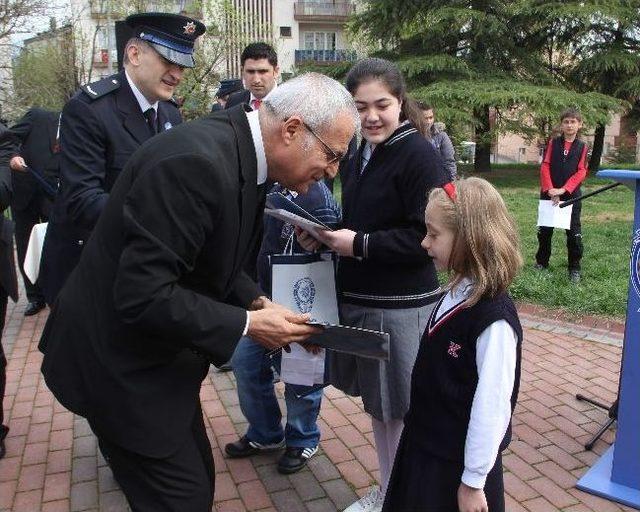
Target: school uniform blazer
<point>159,290</point>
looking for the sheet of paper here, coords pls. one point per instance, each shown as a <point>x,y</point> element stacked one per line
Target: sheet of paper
<point>296,220</point>
<point>32,257</point>
<point>302,367</point>
<point>277,201</point>
<point>553,216</point>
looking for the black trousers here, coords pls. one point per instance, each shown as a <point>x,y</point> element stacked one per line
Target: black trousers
<point>422,482</point>
<point>574,240</point>
<point>35,212</point>
<point>3,362</point>
<point>183,482</point>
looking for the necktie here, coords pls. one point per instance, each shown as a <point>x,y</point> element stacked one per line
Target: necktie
<point>150,115</point>
<point>256,104</point>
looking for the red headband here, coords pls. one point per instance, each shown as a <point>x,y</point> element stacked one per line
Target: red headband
<point>450,189</point>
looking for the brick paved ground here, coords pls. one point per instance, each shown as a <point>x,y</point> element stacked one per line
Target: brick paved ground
<point>52,463</point>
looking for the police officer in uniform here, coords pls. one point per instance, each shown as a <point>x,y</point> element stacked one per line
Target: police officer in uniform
<point>104,123</point>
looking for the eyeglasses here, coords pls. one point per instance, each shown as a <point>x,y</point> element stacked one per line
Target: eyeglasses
<point>332,156</point>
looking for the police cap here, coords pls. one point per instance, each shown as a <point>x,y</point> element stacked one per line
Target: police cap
<point>229,86</point>
<point>171,35</point>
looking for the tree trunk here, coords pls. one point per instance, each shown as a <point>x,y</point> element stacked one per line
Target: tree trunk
<point>482,161</point>
<point>596,152</point>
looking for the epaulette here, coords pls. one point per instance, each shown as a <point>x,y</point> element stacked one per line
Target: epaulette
<point>98,89</point>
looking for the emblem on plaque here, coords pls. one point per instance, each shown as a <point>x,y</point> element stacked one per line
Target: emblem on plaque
<point>304,293</point>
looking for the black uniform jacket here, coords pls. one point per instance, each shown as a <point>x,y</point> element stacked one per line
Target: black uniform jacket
<point>35,139</point>
<point>159,284</point>
<point>102,125</point>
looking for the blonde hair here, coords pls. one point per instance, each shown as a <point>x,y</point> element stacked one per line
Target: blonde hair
<point>486,247</point>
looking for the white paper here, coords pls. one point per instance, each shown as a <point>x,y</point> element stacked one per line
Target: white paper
<point>296,220</point>
<point>319,301</point>
<point>34,251</point>
<point>553,216</point>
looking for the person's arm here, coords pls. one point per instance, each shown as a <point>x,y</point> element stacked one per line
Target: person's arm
<point>5,174</point>
<point>545,169</point>
<point>491,407</point>
<point>402,244</point>
<point>15,137</point>
<point>82,166</point>
<point>169,214</point>
<point>581,173</point>
<point>448,155</point>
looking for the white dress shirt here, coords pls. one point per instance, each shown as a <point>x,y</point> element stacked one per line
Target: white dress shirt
<point>261,160</point>
<point>142,101</point>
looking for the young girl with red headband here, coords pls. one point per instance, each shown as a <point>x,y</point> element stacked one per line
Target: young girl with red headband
<point>465,381</point>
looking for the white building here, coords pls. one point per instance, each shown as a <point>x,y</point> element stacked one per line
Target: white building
<point>301,31</point>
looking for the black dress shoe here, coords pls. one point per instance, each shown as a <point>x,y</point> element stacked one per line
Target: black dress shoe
<point>34,308</point>
<point>294,459</point>
<point>243,448</point>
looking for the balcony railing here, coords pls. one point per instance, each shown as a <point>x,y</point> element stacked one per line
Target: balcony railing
<point>323,11</point>
<point>328,56</point>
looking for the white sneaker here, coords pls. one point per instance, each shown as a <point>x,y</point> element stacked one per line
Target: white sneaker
<point>370,502</point>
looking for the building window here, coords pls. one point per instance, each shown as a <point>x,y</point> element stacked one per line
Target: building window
<point>320,40</point>
<point>285,31</point>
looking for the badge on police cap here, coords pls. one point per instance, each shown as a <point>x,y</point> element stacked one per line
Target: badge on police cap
<point>172,35</point>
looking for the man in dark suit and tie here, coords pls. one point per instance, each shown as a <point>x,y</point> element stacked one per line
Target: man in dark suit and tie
<point>160,291</point>
<point>259,64</point>
<point>104,123</point>
<point>8,281</point>
<point>33,142</point>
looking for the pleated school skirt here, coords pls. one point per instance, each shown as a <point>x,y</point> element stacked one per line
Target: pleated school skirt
<point>422,482</point>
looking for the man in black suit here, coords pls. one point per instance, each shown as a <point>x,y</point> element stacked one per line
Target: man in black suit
<point>259,64</point>
<point>104,123</point>
<point>160,291</point>
<point>8,281</point>
<point>33,142</point>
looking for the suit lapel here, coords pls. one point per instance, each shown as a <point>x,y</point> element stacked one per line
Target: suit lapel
<point>248,178</point>
<point>133,119</point>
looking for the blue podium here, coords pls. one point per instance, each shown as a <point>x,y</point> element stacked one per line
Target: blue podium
<point>616,475</point>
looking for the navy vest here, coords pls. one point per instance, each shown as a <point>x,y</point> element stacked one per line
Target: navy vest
<point>445,376</point>
<point>564,166</point>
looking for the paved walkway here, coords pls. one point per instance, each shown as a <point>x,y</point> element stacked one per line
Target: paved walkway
<point>52,463</point>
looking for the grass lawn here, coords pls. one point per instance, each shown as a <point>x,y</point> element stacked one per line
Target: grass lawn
<point>607,221</point>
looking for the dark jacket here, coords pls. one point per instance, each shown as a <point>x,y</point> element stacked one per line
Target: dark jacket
<point>159,289</point>
<point>385,204</point>
<point>8,278</point>
<point>34,138</point>
<point>102,125</point>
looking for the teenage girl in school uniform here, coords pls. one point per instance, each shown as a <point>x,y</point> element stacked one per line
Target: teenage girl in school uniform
<point>465,381</point>
<point>385,282</point>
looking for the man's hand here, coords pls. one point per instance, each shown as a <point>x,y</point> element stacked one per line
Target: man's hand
<point>275,327</point>
<point>340,241</point>
<point>17,163</point>
<point>471,500</point>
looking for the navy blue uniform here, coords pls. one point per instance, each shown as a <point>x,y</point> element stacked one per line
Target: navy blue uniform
<point>102,125</point>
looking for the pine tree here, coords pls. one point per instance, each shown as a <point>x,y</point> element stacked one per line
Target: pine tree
<point>481,62</point>
<point>601,44</point>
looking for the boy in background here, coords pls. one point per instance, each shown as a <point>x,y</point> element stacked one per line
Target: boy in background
<point>563,170</point>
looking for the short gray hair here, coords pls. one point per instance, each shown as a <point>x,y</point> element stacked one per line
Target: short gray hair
<point>316,98</point>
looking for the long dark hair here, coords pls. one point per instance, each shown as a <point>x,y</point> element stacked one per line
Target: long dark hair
<point>387,72</point>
